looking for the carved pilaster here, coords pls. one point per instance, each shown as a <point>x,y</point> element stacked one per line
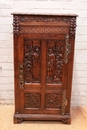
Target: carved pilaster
<point>72,26</point>
<point>16,25</point>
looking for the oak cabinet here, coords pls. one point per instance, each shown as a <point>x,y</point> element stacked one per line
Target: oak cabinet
<point>43,66</point>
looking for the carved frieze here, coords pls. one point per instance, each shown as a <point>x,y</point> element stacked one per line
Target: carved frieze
<point>32,100</point>
<point>32,61</point>
<point>42,29</point>
<point>44,19</point>
<point>52,100</point>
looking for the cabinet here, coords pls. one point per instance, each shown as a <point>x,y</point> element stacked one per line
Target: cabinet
<point>43,66</point>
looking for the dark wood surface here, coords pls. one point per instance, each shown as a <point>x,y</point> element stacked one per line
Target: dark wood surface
<point>43,66</point>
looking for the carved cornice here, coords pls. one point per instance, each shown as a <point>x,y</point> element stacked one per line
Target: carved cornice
<point>16,25</point>
<point>72,26</point>
<point>44,19</point>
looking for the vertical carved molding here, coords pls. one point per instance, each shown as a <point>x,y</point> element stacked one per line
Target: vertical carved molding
<point>16,24</point>
<point>67,49</point>
<point>72,26</point>
<point>64,102</point>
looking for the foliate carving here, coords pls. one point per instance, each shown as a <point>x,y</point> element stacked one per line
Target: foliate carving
<point>32,61</point>
<point>44,19</point>
<point>52,101</point>
<point>32,100</point>
<point>16,25</point>
<point>55,63</point>
<point>72,26</point>
<point>33,29</point>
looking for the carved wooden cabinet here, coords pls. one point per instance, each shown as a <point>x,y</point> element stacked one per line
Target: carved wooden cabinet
<point>43,66</point>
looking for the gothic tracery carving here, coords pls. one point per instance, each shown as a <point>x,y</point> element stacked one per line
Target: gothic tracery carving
<point>52,100</point>
<point>32,100</point>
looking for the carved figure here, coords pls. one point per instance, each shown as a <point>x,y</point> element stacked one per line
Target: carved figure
<point>36,63</point>
<point>51,63</point>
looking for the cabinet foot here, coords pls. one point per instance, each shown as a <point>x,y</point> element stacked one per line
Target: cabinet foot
<point>67,121</point>
<point>17,120</point>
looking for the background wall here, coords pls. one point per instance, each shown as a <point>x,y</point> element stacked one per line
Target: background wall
<point>79,88</point>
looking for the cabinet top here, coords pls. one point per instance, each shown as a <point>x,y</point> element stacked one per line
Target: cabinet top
<point>53,14</point>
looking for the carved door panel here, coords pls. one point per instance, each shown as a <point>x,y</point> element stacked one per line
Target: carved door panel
<point>43,73</point>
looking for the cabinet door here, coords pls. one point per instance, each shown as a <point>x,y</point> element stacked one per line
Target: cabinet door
<point>43,73</point>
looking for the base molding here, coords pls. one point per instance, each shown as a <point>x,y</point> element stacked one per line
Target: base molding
<point>18,118</point>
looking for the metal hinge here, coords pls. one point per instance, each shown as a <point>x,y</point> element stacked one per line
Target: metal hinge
<point>21,78</point>
<point>64,102</point>
<point>67,49</point>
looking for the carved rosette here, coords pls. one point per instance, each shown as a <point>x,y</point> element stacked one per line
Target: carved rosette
<point>72,26</point>
<point>16,24</point>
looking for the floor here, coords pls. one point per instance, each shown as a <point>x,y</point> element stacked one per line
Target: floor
<point>79,121</point>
